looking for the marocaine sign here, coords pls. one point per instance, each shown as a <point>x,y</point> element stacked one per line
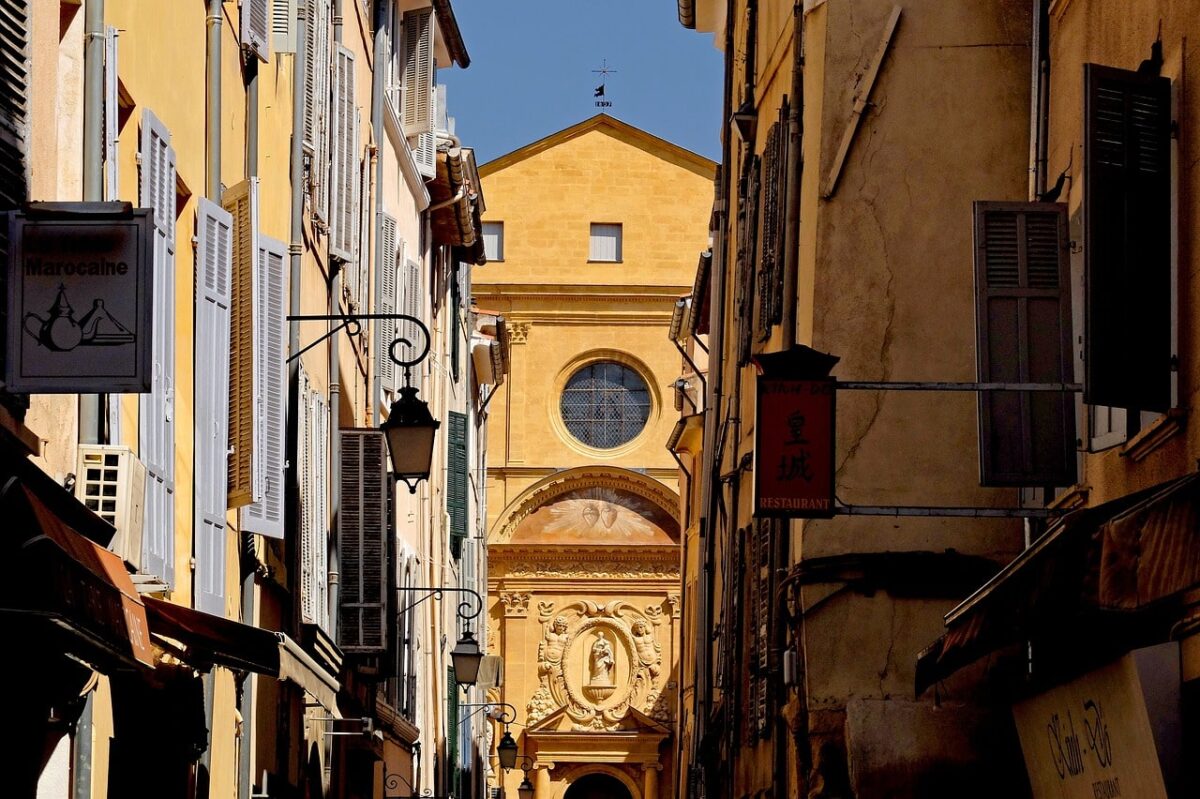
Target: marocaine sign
<point>79,298</point>
<point>1091,738</point>
<point>793,448</point>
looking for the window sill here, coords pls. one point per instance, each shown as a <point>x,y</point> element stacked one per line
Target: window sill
<point>1158,433</point>
<point>618,261</point>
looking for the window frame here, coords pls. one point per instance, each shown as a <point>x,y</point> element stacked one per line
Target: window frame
<point>620,238</point>
<point>499,225</point>
<point>593,445</point>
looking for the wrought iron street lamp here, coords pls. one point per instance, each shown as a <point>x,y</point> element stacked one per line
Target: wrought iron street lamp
<point>410,427</point>
<point>466,655</point>
<point>525,790</point>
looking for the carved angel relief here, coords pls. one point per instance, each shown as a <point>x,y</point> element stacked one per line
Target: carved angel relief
<point>597,661</point>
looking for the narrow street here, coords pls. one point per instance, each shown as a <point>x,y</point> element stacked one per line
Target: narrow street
<point>708,399</point>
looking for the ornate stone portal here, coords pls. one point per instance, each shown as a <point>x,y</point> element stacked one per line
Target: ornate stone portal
<point>584,585</point>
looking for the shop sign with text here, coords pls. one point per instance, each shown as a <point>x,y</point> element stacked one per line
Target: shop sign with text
<point>1091,738</point>
<point>79,299</point>
<point>793,448</point>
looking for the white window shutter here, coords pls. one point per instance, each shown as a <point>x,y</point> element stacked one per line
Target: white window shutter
<point>214,240</point>
<point>283,26</point>
<point>245,477</point>
<point>111,112</point>
<point>305,445</point>
<point>156,422</point>
<point>412,304</point>
<point>343,213</point>
<point>425,154</point>
<point>320,573</point>
<point>386,329</point>
<point>417,112</point>
<point>255,28</point>
<point>363,277</point>
<point>314,31</point>
<point>265,516</point>
<point>320,168</point>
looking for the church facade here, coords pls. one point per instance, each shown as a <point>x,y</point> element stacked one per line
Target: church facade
<point>584,538</point>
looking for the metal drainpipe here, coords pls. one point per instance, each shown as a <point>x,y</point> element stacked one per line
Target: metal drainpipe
<point>90,423</point>
<point>378,81</point>
<point>247,558</point>
<point>795,165</point>
<point>212,187</point>
<point>1040,98</point>
<point>335,406</point>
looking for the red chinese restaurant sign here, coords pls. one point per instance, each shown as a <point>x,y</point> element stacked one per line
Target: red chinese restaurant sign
<point>793,448</point>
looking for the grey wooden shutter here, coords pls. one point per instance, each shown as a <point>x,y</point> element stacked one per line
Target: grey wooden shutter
<point>363,527</point>
<point>1023,328</point>
<point>265,516</point>
<point>320,461</point>
<point>343,213</point>
<point>112,111</point>
<point>255,29</point>
<point>245,468</point>
<point>385,331</point>
<point>417,112</point>
<point>1127,239</point>
<point>306,452</point>
<point>318,126</point>
<point>412,304</point>
<point>156,413</point>
<point>214,228</point>
<point>283,26</point>
<point>456,480</point>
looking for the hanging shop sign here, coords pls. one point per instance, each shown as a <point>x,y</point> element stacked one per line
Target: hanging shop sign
<point>793,448</point>
<point>79,298</point>
<point>1092,737</point>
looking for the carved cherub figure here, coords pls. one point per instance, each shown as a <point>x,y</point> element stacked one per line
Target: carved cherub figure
<point>649,651</point>
<point>550,649</point>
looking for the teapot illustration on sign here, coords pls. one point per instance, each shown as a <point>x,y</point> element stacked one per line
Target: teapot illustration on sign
<point>59,332</point>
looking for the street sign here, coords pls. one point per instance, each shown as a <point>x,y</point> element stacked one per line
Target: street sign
<point>79,298</point>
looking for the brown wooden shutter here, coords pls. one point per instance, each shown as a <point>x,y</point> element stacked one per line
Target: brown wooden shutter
<point>746,253</point>
<point>1023,328</point>
<point>1127,238</point>
<point>770,281</point>
<point>364,529</point>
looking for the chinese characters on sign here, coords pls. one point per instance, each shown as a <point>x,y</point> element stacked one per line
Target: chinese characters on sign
<point>793,470</point>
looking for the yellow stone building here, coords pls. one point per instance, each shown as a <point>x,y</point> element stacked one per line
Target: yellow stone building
<point>591,236</point>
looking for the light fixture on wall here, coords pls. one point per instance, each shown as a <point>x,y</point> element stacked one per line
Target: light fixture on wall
<point>466,654</point>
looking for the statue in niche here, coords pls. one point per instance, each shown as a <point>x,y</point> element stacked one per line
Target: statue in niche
<point>601,663</point>
<point>550,649</point>
<point>649,651</point>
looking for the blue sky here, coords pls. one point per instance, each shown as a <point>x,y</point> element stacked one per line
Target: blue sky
<point>531,72</point>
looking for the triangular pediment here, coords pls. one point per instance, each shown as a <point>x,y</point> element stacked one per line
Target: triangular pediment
<point>634,721</point>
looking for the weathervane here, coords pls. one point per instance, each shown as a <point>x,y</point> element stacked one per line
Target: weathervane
<point>603,72</point>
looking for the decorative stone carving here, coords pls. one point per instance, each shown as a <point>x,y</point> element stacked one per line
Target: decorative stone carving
<point>676,606</point>
<point>654,614</point>
<point>516,603</point>
<point>597,569</point>
<point>545,611</point>
<point>518,332</point>
<point>597,661</point>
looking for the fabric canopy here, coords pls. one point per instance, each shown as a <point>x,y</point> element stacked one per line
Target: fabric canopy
<point>1111,561</point>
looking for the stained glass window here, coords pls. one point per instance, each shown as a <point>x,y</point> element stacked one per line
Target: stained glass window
<point>605,404</point>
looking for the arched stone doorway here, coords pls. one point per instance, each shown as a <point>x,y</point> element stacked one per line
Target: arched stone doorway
<point>597,786</point>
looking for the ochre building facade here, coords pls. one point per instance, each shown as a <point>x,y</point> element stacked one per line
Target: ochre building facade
<point>591,236</point>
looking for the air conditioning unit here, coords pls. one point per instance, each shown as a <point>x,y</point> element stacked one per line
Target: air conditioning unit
<point>112,482</point>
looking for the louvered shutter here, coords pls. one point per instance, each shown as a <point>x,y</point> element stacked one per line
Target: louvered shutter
<point>214,240</point>
<point>385,261</point>
<point>320,478</point>
<point>412,304</point>
<point>318,126</point>
<point>111,113</point>
<point>1023,328</point>
<point>774,180</point>
<point>283,26</point>
<point>14,132</point>
<point>265,516</point>
<point>456,480</point>
<point>245,471</point>
<point>255,28</point>
<point>363,541</point>
<point>343,213</point>
<point>747,251</point>
<point>425,154</point>
<point>305,444</point>
<point>156,414</point>
<point>417,112</point>
<point>1127,239</point>
<point>363,201</point>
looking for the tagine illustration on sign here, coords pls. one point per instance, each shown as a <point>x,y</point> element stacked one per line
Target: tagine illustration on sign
<point>60,332</point>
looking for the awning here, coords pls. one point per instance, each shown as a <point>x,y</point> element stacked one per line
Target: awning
<point>1109,563</point>
<point>55,574</point>
<point>212,639</point>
